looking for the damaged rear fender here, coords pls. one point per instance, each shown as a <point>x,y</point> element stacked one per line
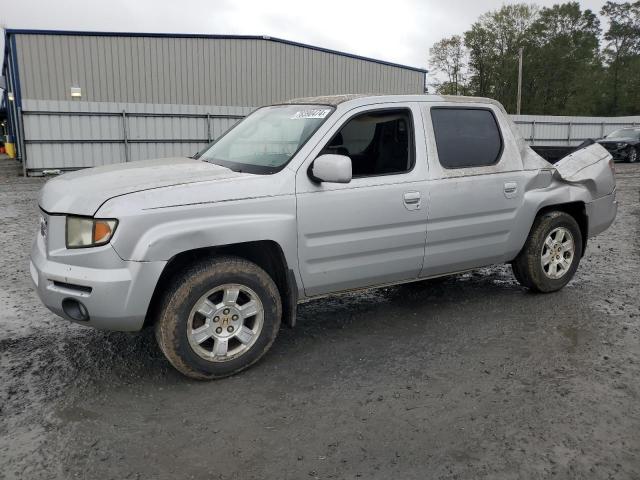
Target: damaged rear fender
<point>591,167</point>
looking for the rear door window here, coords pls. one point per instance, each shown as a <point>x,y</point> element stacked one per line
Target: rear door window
<point>466,137</point>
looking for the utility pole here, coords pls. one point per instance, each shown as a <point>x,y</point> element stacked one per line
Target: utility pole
<point>519,104</point>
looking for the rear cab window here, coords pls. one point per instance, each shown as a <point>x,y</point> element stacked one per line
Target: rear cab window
<point>466,137</point>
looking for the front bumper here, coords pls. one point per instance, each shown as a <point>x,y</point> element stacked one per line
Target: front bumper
<point>601,213</point>
<point>619,154</point>
<point>116,293</point>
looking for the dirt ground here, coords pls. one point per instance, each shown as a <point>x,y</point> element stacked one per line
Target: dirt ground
<point>469,378</point>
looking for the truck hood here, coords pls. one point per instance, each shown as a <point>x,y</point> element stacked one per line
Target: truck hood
<point>82,192</point>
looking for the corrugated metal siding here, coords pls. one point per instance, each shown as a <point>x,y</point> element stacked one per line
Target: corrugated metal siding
<point>568,131</point>
<point>150,136</point>
<point>69,141</point>
<point>195,71</point>
<point>169,76</point>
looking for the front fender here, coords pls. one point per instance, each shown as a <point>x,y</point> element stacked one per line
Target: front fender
<point>160,234</point>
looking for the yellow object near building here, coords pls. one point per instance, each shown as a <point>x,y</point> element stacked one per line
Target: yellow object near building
<point>11,149</point>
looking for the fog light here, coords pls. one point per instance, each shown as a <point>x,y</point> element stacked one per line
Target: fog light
<point>75,310</point>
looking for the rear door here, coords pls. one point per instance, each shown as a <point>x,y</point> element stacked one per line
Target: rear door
<point>373,229</point>
<point>475,189</point>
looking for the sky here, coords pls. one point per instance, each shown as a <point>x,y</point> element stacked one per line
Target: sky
<point>400,31</point>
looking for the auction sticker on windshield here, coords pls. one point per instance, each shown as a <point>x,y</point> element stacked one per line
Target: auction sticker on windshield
<point>312,113</point>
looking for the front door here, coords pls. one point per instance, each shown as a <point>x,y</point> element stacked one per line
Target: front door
<point>372,230</point>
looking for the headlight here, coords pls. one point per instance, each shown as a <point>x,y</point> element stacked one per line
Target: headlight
<point>89,232</point>
<point>620,145</point>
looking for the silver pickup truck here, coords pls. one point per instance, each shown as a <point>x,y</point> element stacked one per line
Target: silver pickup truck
<point>304,199</point>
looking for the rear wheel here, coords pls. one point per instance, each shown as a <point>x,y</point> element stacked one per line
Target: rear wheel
<point>551,255</point>
<point>218,318</point>
<point>633,155</point>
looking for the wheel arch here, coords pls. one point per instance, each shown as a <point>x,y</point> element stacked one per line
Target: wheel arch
<point>577,210</point>
<point>267,254</point>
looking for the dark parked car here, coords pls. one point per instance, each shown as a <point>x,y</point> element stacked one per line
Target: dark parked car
<point>623,144</point>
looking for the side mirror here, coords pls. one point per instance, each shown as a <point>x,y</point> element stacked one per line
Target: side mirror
<point>332,168</point>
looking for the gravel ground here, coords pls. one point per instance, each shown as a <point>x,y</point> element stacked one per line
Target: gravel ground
<point>471,377</point>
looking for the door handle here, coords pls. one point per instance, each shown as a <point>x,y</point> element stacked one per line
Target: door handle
<point>510,189</point>
<point>412,200</point>
<point>412,197</point>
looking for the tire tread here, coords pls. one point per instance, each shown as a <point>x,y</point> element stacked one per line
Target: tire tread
<point>526,266</point>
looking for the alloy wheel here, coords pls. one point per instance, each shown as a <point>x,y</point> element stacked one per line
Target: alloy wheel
<point>225,322</point>
<point>557,253</point>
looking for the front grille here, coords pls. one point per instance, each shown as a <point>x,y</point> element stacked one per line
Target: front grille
<point>611,147</point>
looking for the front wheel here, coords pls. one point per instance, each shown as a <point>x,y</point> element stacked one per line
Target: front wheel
<point>218,317</point>
<point>551,255</point>
<point>633,155</point>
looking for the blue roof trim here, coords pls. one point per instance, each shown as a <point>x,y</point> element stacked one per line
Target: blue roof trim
<point>13,58</point>
<point>11,31</point>
<point>5,54</point>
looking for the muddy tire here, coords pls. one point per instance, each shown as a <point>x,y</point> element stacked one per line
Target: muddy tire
<point>550,257</point>
<point>218,317</point>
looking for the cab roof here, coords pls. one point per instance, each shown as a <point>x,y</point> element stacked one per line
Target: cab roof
<point>367,98</point>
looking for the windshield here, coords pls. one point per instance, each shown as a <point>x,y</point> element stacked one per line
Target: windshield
<point>266,140</point>
<point>625,133</point>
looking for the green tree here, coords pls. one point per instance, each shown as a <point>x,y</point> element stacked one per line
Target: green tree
<point>493,43</point>
<point>622,57</point>
<point>447,57</point>
<point>480,41</point>
<point>562,61</point>
<point>565,71</point>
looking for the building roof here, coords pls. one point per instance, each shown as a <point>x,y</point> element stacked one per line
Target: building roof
<point>11,31</point>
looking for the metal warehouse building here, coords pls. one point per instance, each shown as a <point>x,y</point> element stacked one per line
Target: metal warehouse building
<point>80,99</point>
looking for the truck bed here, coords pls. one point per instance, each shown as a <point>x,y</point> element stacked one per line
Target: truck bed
<point>553,153</point>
